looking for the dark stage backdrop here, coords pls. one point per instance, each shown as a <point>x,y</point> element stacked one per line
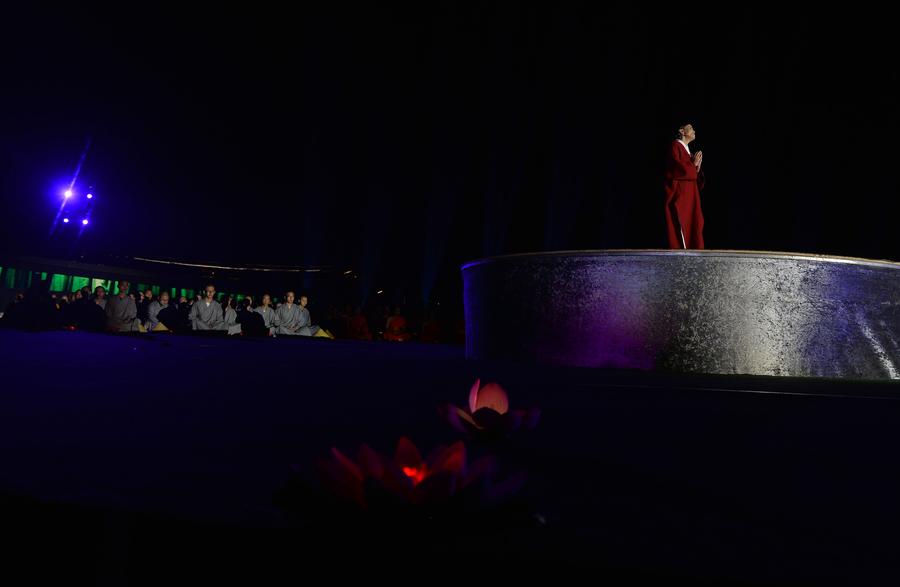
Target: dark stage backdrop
<point>401,141</point>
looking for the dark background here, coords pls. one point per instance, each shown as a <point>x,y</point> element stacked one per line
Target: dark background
<point>403,141</point>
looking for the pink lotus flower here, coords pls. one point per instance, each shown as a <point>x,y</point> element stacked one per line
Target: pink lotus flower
<point>489,414</point>
<point>410,479</point>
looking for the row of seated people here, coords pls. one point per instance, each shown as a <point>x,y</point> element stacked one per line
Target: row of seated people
<point>207,314</point>
<point>127,312</point>
<point>122,313</point>
<point>287,318</point>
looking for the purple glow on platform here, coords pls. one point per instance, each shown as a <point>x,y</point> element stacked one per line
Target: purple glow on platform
<point>68,193</point>
<point>85,221</point>
<point>65,220</point>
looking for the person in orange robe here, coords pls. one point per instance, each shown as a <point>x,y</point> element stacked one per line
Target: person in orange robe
<point>358,326</point>
<point>684,180</point>
<point>396,328</point>
<point>431,330</point>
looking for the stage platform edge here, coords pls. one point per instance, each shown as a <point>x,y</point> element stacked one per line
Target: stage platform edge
<point>711,311</point>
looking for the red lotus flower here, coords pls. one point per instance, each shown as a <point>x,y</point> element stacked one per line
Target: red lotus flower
<point>408,478</point>
<point>489,413</point>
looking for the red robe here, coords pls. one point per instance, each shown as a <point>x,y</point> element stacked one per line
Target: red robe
<point>683,213</point>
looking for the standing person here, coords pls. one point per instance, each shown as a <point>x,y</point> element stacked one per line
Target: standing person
<point>684,180</point>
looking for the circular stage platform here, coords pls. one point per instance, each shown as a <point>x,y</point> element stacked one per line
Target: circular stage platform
<point>717,312</point>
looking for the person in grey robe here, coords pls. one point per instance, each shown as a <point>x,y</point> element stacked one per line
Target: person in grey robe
<point>121,312</point>
<point>306,329</point>
<point>230,317</point>
<point>288,316</point>
<point>270,319</point>
<point>206,314</point>
<point>157,305</point>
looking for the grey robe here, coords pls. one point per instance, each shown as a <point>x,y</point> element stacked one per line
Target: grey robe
<point>306,329</point>
<point>231,321</point>
<point>270,318</point>
<point>152,313</point>
<point>121,315</point>
<point>205,317</point>
<point>288,317</point>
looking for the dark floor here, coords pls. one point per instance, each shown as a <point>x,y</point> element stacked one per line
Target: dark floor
<point>125,458</point>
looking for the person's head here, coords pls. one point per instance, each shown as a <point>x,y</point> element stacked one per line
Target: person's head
<point>100,292</point>
<point>85,292</point>
<point>124,286</point>
<point>210,292</point>
<point>246,304</point>
<point>77,295</point>
<point>164,298</point>
<point>182,300</point>
<point>148,294</point>
<point>686,133</point>
<point>304,300</point>
<point>132,296</point>
<point>288,297</point>
<point>266,300</point>
<point>20,295</point>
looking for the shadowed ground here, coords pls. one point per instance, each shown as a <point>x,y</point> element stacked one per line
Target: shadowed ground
<point>155,458</point>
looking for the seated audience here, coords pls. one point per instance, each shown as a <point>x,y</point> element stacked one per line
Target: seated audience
<point>396,329</point>
<point>121,311</point>
<point>306,326</point>
<point>358,326</point>
<point>270,320</point>
<point>288,316</point>
<point>154,308</point>
<point>207,313</point>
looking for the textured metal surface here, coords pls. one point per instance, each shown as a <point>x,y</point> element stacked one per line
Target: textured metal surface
<point>729,312</point>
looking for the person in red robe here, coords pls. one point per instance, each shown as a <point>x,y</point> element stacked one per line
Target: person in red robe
<point>684,180</point>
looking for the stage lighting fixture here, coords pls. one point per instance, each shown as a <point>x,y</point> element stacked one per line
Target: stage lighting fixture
<point>68,193</point>
<point>89,196</point>
<point>84,221</point>
<point>65,220</point>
